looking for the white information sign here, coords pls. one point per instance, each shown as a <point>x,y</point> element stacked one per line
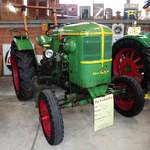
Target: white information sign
<point>134,30</point>
<point>103,112</point>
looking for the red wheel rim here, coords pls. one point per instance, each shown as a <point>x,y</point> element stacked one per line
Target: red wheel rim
<point>45,118</point>
<point>128,62</point>
<point>123,103</point>
<point>15,73</point>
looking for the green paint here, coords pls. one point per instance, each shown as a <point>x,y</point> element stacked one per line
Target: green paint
<point>23,44</point>
<point>98,91</point>
<point>143,39</point>
<point>69,46</point>
<point>85,101</point>
<point>83,42</point>
<point>128,68</point>
<point>44,40</point>
<point>88,48</point>
<point>86,27</point>
<point>69,103</point>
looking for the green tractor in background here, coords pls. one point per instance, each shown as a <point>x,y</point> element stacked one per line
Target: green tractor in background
<point>131,57</point>
<point>78,59</point>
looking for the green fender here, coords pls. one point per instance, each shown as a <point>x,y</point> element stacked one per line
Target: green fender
<point>23,43</point>
<point>143,39</point>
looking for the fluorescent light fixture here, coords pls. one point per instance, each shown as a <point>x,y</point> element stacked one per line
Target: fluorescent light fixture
<point>11,8</point>
<point>25,2</point>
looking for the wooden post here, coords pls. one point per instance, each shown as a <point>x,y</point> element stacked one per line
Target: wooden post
<point>54,13</point>
<point>54,17</point>
<point>37,10</point>
<point>25,22</point>
<point>53,9</point>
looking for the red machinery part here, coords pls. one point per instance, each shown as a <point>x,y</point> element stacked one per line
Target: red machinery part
<point>128,62</point>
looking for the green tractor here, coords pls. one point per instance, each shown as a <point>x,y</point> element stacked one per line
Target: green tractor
<point>131,57</point>
<point>78,59</point>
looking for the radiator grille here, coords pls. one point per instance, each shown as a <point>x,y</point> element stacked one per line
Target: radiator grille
<point>91,48</point>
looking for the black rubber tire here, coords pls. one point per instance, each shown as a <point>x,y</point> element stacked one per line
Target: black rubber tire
<point>55,115</point>
<point>137,93</point>
<point>26,70</point>
<point>140,50</point>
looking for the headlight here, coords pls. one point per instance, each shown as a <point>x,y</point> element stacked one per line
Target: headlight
<point>48,53</point>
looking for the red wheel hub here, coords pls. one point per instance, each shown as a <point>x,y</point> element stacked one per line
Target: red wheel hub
<point>45,118</point>
<point>124,103</point>
<point>15,73</point>
<point>128,62</point>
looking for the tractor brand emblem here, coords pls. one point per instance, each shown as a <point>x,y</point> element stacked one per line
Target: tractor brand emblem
<point>101,72</point>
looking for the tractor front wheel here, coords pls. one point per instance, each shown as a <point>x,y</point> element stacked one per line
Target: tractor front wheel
<point>129,97</point>
<point>50,117</point>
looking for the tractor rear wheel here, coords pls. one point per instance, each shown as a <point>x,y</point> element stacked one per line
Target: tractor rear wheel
<point>132,59</point>
<point>129,97</point>
<point>23,71</point>
<point>50,117</point>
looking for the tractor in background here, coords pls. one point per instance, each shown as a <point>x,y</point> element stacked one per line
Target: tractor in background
<point>78,59</point>
<point>131,57</point>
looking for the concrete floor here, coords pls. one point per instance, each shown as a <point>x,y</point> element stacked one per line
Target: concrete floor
<point>20,128</point>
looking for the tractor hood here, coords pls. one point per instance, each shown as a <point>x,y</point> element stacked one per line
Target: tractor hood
<point>87,28</point>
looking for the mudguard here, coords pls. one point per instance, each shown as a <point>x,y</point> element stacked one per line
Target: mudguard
<point>23,43</point>
<point>143,39</point>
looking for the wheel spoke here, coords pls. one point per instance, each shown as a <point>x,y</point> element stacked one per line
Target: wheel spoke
<point>127,54</point>
<point>124,105</point>
<point>123,56</point>
<point>137,59</point>
<point>132,54</point>
<point>138,74</point>
<point>128,62</point>
<point>140,67</point>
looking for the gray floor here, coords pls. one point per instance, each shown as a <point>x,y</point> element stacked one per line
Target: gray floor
<point>20,129</point>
